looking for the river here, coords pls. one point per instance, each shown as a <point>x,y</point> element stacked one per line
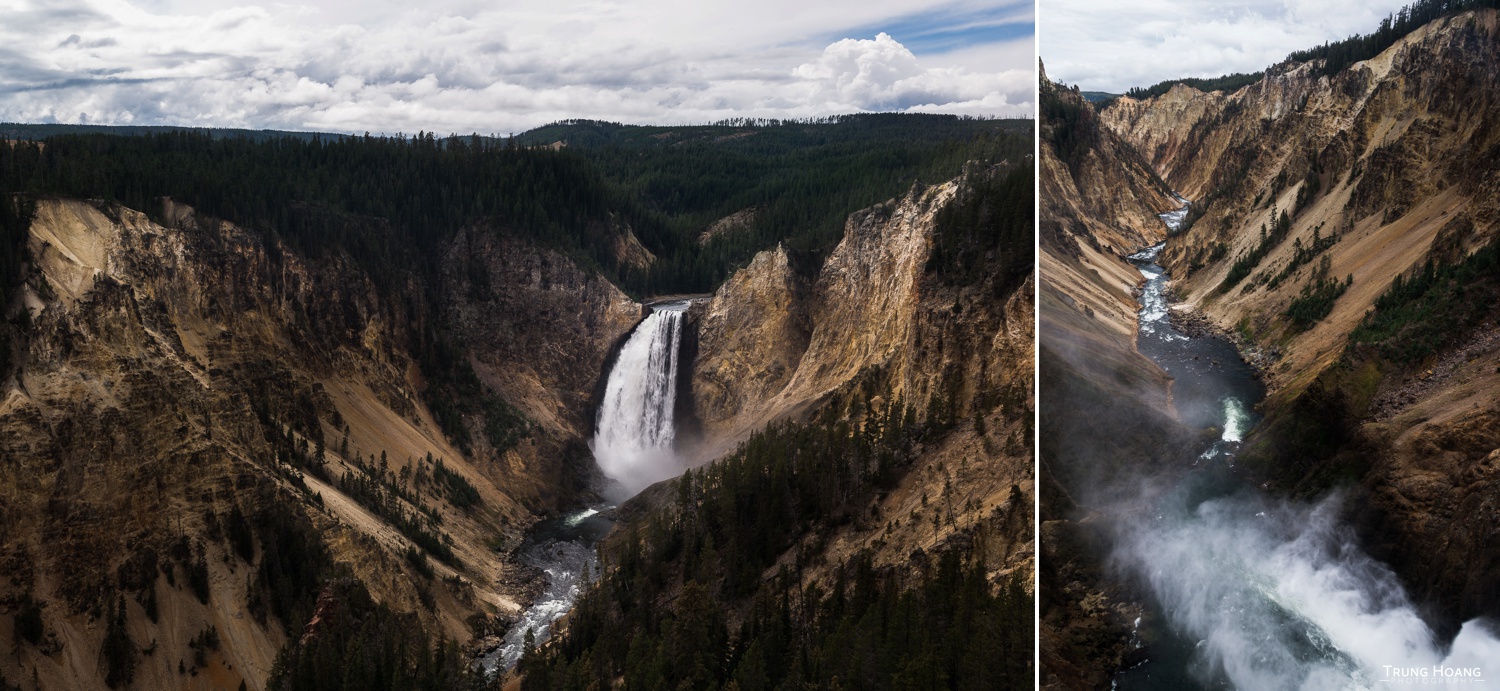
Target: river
<point>633,446</point>
<point>1250,591</point>
<point>563,549</point>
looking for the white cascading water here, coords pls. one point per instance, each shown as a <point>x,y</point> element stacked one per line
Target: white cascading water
<point>1279,594</point>
<point>635,431</point>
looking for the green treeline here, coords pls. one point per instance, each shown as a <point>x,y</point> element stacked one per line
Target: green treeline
<point>1302,254</point>
<point>1421,315</point>
<point>377,489</point>
<point>1317,297</point>
<point>1229,83</point>
<point>1341,54</point>
<point>1337,55</point>
<point>15,219</point>
<point>387,202</point>
<point>988,231</point>
<point>390,202</point>
<point>360,645</point>
<point>1269,239</point>
<point>945,627</point>
<point>1073,129</point>
<point>798,180</point>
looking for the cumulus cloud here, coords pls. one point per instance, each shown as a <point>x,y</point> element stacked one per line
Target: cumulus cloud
<point>1112,46</point>
<point>881,74</point>
<point>454,67</point>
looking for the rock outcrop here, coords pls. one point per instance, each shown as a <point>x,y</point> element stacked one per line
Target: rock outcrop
<point>774,345</point>
<point>751,337</point>
<point>538,330</point>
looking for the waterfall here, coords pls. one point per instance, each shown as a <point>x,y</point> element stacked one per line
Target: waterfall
<point>635,430</point>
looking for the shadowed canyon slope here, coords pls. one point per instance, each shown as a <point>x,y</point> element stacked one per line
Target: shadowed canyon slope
<point>189,410</point>
<point>1371,306</point>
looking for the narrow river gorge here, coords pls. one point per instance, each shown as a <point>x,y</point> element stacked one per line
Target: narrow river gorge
<point>1251,591</point>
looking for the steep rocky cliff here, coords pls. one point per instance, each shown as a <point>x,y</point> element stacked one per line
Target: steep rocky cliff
<point>202,425</point>
<point>751,338</point>
<point>537,329</point>
<point>1320,202</point>
<point>1371,164</point>
<point>776,345</point>
<point>1099,201</point>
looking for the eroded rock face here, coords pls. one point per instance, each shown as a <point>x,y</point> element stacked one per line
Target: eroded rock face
<point>751,337</point>
<point>1382,157</point>
<point>775,345</point>
<point>162,370</point>
<point>858,313</point>
<point>538,330</point>
<point>1099,202</point>
<point>534,313</point>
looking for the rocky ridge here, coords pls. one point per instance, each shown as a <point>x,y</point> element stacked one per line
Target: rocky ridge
<point>774,345</point>
<point>1380,158</point>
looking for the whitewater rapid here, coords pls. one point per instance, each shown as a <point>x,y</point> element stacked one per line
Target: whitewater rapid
<point>562,550</point>
<point>1279,595</point>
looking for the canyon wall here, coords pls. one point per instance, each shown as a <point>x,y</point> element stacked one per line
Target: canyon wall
<point>775,344</point>
<point>1105,409</point>
<point>200,419</point>
<point>1381,170</point>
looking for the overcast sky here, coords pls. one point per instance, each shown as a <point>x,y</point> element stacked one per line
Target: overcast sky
<point>501,66</point>
<point>1112,45</point>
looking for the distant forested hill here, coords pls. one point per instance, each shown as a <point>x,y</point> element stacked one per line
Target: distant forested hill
<point>790,181</point>
<point>390,201</point>
<point>38,132</point>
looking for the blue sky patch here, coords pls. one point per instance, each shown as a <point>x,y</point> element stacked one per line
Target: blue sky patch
<point>930,33</point>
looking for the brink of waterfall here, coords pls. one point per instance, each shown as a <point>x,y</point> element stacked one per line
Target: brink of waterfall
<point>635,430</point>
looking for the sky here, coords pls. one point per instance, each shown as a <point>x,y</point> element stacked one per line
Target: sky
<point>503,66</point>
<point>1104,45</point>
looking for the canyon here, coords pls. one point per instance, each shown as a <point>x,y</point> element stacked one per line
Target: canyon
<point>229,452</point>
<point>1316,200</point>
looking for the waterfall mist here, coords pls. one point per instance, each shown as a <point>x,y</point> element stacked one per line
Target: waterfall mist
<point>1279,595</point>
<point>635,430</point>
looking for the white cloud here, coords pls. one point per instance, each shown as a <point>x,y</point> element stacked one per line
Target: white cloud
<point>854,71</point>
<point>1112,46</point>
<point>461,66</point>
